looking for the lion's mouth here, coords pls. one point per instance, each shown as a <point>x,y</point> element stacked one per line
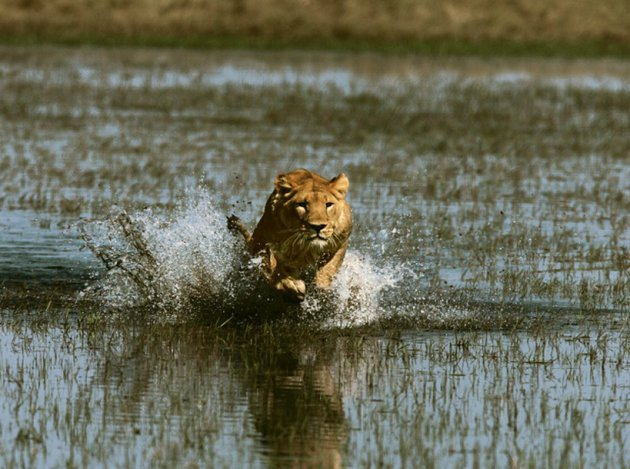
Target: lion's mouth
<point>318,238</point>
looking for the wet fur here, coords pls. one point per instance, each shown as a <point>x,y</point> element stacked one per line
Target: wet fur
<point>306,223</point>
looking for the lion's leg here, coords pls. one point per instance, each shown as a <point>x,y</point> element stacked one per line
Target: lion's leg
<point>292,287</point>
<point>282,279</point>
<point>327,271</point>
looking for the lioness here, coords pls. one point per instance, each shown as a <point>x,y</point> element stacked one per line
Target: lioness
<point>306,222</point>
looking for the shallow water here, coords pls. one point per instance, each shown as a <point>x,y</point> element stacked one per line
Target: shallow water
<point>192,396</point>
<point>484,298</point>
<point>508,178</point>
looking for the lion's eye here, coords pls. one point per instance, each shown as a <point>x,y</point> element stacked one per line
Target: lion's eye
<point>329,204</point>
<point>302,204</point>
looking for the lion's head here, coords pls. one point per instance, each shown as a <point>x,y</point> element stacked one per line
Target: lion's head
<point>314,209</point>
<point>306,223</point>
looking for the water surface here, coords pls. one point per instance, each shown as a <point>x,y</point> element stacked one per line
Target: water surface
<point>480,317</point>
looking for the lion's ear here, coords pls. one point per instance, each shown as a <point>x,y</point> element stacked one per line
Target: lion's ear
<point>340,184</point>
<point>283,184</point>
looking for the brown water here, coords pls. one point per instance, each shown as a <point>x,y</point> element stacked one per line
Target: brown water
<point>480,318</point>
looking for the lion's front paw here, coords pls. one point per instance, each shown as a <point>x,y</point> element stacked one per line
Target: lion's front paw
<point>234,223</point>
<point>293,288</point>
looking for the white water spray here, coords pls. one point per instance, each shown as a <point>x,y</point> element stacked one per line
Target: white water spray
<point>189,262</point>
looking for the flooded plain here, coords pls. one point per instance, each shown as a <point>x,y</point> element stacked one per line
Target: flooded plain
<point>480,318</point>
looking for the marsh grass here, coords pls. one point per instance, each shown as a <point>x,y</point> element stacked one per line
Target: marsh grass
<point>512,186</point>
<point>496,192</point>
<point>84,393</point>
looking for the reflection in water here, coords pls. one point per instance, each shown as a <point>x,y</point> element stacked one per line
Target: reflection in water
<point>286,388</point>
<point>298,411</point>
<point>195,396</point>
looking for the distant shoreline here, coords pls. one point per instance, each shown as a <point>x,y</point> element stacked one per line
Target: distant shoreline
<point>431,47</point>
<point>537,28</point>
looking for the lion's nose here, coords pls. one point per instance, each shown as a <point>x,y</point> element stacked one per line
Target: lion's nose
<point>316,227</point>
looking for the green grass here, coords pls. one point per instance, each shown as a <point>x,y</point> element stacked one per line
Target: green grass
<point>446,47</point>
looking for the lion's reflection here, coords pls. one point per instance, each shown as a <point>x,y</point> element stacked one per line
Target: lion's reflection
<point>298,411</point>
<point>291,386</point>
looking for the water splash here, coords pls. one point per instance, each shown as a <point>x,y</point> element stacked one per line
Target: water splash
<point>188,265</point>
<point>164,263</point>
<point>356,293</point>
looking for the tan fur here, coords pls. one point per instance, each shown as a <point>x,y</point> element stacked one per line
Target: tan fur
<point>306,222</point>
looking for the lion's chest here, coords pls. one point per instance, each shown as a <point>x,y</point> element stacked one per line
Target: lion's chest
<point>299,255</point>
